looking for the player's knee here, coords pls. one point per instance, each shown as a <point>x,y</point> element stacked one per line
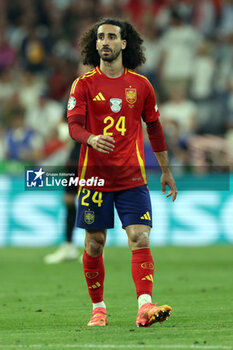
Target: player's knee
<point>95,248</point>
<point>94,245</point>
<point>139,240</point>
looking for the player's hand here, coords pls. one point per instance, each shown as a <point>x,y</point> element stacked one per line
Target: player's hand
<point>101,143</point>
<point>168,179</point>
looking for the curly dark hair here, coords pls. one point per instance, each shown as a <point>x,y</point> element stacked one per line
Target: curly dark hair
<point>133,55</point>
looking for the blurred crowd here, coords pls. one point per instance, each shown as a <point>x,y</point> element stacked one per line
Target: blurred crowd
<point>189,51</point>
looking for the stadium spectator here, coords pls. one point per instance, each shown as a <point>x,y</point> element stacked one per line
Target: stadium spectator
<point>179,120</point>
<point>106,46</point>
<point>152,51</point>
<point>225,28</point>
<point>61,77</point>
<point>21,143</point>
<point>7,53</point>
<point>35,49</point>
<point>138,10</point>
<point>178,44</point>
<point>44,115</point>
<point>180,110</point>
<point>8,86</point>
<point>30,88</point>
<point>202,88</point>
<point>206,16</point>
<point>204,68</point>
<point>211,153</point>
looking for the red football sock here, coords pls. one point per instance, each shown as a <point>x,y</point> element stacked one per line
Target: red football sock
<point>94,273</point>
<point>143,271</point>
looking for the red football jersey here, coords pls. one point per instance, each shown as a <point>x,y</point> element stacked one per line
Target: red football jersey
<point>114,107</point>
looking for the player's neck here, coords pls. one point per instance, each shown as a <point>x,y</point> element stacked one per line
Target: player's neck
<point>112,69</point>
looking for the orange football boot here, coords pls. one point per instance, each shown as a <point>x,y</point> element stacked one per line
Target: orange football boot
<point>99,317</point>
<point>149,313</point>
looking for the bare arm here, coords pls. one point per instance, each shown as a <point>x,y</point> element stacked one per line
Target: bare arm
<point>167,177</point>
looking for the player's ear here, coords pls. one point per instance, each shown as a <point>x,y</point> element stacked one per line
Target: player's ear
<point>123,44</point>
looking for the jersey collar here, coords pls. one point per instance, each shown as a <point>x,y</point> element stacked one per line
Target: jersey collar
<point>101,73</point>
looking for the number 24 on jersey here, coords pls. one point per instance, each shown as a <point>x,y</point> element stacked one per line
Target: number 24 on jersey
<point>119,125</point>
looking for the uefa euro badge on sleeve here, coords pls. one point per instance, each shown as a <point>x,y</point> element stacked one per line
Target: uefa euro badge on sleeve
<point>71,103</point>
<point>115,104</point>
<point>89,216</point>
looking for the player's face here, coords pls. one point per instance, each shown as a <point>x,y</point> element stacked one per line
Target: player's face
<point>109,43</point>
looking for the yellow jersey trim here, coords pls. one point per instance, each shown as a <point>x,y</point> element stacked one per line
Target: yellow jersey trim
<point>142,76</point>
<point>98,70</point>
<point>141,163</point>
<point>90,72</point>
<point>83,170</point>
<point>74,86</point>
<point>88,75</point>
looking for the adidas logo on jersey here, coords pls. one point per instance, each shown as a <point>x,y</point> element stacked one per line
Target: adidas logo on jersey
<point>148,278</point>
<point>146,216</point>
<point>99,97</point>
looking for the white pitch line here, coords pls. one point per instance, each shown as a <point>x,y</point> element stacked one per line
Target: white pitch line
<point>116,346</point>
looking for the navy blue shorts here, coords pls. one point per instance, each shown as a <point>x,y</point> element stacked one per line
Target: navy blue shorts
<point>96,209</point>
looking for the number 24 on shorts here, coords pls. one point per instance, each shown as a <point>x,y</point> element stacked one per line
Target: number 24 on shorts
<point>96,198</point>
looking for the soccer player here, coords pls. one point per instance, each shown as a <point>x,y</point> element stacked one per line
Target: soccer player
<point>68,250</point>
<point>105,109</point>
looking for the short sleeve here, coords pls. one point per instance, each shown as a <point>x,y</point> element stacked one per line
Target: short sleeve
<point>77,103</point>
<point>150,111</point>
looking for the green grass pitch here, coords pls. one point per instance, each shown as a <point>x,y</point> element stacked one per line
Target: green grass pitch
<point>47,307</point>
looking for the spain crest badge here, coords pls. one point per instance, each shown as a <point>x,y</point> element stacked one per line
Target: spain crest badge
<point>89,217</point>
<point>131,95</point>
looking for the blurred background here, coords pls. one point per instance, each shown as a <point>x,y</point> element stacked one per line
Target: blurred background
<point>189,50</point>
